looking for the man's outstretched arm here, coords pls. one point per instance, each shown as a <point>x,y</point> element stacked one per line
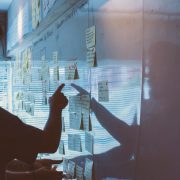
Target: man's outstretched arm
<point>52,130</point>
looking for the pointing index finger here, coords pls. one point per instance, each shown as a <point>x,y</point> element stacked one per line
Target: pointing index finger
<point>60,87</point>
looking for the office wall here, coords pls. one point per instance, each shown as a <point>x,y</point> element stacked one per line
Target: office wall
<point>137,41</point>
<point>119,55</point>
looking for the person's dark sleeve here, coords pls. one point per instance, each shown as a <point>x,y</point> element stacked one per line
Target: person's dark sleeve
<point>18,140</point>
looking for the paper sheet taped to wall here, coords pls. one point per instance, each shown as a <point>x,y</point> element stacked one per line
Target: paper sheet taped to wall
<point>71,72</point>
<point>88,170</point>
<point>89,142</point>
<point>90,37</point>
<point>103,91</point>
<point>74,142</point>
<point>79,173</point>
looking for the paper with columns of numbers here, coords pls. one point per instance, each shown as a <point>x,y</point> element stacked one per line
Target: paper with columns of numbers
<point>91,57</point>
<point>85,100</point>
<point>75,121</point>
<point>86,122</point>
<point>71,168</point>
<point>89,142</point>
<point>79,173</point>
<point>71,72</point>
<point>74,142</point>
<point>103,91</point>
<point>65,165</point>
<point>61,147</point>
<point>88,170</point>
<point>90,37</point>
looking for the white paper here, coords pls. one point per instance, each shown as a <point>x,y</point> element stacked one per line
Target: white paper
<point>74,142</point>
<point>72,104</point>
<point>89,142</point>
<point>87,126</point>
<point>71,72</point>
<point>90,37</point>
<point>79,173</point>
<point>91,57</point>
<point>103,91</point>
<point>65,165</point>
<point>71,168</point>
<point>85,100</point>
<point>88,170</point>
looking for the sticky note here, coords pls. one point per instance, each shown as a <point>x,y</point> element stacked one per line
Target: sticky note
<point>88,170</point>
<point>90,37</point>
<point>103,91</point>
<point>91,57</point>
<point>65,165</point>
<point>71,72</point>
<point>89,142</point>
<point>85,100</point>
<point>79,173</point>
<point>71,168</point>
<point>74,142</point>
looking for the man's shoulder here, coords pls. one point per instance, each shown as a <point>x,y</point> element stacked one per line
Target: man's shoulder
<point>7,117</point>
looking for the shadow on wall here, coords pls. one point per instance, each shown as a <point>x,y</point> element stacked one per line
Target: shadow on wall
<point>160,117</point>
<point>117,162</point>
<point>159,155</point>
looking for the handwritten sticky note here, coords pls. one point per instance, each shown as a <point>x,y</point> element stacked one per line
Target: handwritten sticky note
<point>85,102</point>
<point>71,168</point>
<point>79,173</point>
<point>74,142</point>
<point>88,170</point>
<point>86,120</point>
<point>89,142</point>
<point>75,121</point>
<point>65,165</point>
<point>103,91</point>
<point>91,57</point>
<point>90,37</point>
<point>78,105</point>
<point>71,72</point>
